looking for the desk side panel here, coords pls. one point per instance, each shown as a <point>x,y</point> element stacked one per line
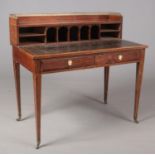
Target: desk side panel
<point>14,35</point>
<point>25,60</point>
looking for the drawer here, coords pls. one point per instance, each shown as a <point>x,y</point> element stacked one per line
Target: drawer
<point>67,63</point>
<point>117,58</point>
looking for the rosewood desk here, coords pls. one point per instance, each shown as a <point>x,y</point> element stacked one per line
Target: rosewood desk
<point>54,42</point>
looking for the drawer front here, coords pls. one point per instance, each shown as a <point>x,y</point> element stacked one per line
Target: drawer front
<point>117,58</point>
<point>67,63</point>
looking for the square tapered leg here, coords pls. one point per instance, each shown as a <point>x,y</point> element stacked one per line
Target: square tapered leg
<point>37,101</point>
<point>139,77</point>
<point>16,67</point>
<point>106,83</point>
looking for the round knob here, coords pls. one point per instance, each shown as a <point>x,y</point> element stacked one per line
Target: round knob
<point>70,62</point>
<point>120,57</point>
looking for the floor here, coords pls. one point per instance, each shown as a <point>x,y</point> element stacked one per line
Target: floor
<point>74,118</point>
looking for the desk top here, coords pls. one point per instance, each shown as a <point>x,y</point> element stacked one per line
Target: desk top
<point>76,48</point>
<point>64,14</point>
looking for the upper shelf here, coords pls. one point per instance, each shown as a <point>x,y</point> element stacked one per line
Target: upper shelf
<point>46,29</point>
<point>31,35</point>
<point>68,33</point>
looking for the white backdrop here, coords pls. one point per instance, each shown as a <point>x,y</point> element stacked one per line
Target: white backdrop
<point>72,114</point>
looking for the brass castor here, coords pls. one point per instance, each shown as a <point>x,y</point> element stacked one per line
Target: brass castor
<point>136,121</point>
<point>105,102</point>
<point>19,118</point>
<point>38,146</point>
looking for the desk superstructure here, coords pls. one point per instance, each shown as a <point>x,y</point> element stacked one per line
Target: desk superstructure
<point>47,43</point>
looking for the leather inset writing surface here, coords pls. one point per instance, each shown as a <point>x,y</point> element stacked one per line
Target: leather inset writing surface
<point>83,46</point>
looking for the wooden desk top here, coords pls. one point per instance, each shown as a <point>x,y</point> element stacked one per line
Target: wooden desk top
<point>64,14</point>
<point>76,48</point>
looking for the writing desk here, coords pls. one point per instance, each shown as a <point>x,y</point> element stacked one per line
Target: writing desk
<point>62,52</point>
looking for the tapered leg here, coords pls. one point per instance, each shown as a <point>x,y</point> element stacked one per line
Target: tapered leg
<point>37,100</point>
<point>17,84</point>
<point>106,83</point>
<point>139,76</point>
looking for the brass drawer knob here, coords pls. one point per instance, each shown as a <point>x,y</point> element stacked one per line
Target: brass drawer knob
<point>70,62</point>
<point>120,57</point>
